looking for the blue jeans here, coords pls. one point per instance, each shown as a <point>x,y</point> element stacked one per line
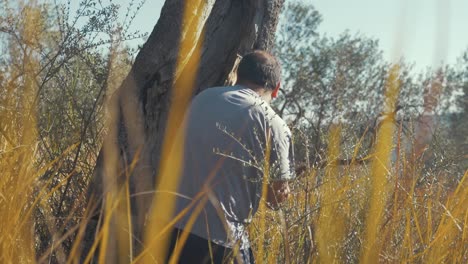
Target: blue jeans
<point>196,251</point>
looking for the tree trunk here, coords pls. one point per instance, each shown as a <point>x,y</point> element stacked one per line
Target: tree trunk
<point>224,30</point>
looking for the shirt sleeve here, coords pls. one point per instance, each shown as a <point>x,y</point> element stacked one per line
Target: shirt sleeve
<point>282,153</point>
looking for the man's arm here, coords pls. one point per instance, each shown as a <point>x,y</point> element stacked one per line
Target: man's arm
<point>282,164</point>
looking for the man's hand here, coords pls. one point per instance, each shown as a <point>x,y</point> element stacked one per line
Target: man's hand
<point>278,192</point>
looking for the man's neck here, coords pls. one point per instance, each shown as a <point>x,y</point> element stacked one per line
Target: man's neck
<point>265,94</point>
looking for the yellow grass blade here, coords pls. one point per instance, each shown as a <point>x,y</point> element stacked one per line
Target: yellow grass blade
<point>380,170</point>
<point>172,151</point>
<point>331,222</point>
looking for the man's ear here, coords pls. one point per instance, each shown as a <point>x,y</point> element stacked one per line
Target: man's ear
<point>274,94</point>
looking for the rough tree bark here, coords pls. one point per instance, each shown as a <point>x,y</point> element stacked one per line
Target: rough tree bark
<point>139,109</point>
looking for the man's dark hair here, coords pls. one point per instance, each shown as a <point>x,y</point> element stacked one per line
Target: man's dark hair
<point>260,68</point>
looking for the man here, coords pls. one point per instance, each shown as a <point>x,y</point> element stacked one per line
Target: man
<point>229,130</point>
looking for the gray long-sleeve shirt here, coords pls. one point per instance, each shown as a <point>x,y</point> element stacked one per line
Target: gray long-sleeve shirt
<point>225,140</point>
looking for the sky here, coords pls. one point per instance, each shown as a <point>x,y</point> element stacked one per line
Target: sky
<point>425,32</point>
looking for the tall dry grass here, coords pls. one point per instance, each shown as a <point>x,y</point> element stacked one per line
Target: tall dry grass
<point>19,147</point>
<point>387,211</point>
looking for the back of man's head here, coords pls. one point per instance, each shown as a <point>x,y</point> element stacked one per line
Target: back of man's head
<point>259,68</point>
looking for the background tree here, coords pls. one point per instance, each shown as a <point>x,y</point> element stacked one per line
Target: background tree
<point>327,80</point>
<point>453,126</point>
<point>342,80</point>
<point>460,123</point>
